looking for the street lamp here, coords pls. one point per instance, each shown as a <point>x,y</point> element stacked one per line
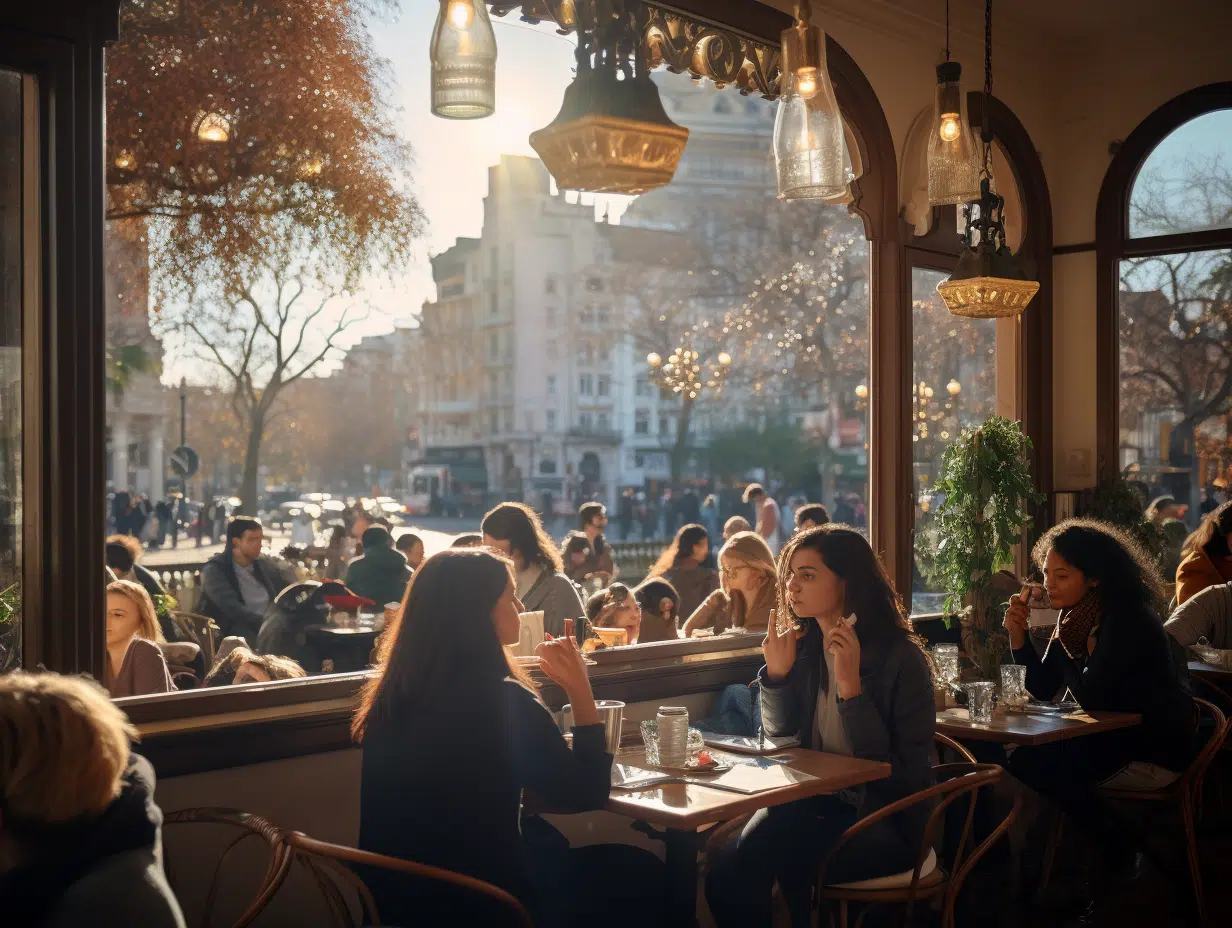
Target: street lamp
<point>953,387</point>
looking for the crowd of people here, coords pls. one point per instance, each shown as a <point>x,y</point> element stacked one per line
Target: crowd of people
<point>844,672</point>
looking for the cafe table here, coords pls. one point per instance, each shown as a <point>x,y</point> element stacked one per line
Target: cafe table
<point>1026,728</point>
<point>684,808</point>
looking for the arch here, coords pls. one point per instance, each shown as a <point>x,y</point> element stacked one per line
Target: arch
<point>1112,243</point>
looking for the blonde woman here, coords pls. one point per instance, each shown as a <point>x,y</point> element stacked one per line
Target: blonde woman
<point>135,663</point>
<point>746,596</point>
<point>80,836</point>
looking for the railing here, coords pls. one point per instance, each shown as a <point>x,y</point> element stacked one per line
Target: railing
<point>183,581</point>
<point>635,558</point>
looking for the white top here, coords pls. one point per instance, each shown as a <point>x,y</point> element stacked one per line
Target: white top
<point>773,538</point>
<point>828,723</point>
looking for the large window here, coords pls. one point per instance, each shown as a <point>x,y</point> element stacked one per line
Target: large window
<point>954,384</point>
<point>12,299</point>
<point>1175,322</point>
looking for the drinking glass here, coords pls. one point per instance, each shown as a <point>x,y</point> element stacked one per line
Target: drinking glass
<point>979,700</point>
<point>1014,685</point>
<point>946,658</point>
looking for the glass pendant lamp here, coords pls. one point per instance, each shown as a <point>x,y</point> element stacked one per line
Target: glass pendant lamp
<point>953,159</point>
<point>810,158</point>
<point>463,61</point>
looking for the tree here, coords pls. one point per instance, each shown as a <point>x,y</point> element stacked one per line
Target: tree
<point>253,141</point>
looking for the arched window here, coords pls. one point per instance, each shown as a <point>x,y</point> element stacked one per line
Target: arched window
<point>1164,245</point>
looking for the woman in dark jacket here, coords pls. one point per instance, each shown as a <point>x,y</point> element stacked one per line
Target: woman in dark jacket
<point>452,735</point>
<point>857,686</point>
<point>1111,652</point>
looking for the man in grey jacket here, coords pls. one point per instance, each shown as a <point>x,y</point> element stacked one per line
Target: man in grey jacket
<point>239,583</point>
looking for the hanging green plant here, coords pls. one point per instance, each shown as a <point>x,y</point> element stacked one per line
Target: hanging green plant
<point>986,493</point>
<point>10,628</point>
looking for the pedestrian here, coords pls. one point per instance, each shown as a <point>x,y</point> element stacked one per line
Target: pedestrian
<point>766,515</point>
<point>624,513</point>
<point>162,512</point>
<point>592,520</point>
<point>710,515</point>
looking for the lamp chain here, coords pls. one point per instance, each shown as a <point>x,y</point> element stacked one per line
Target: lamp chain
<point>947,30</point>
<point>986,128</point>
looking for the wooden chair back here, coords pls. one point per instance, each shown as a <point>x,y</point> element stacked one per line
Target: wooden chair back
<point>1196,772</point>
<point>340,885</point>
<point>248,826</point>
<point>948,743</point>
<point>201,629</point>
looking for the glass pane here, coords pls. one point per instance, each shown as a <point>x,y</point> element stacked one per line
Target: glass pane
<point>489,339</point>
<point>954,385</point>
<point>11,232</point>
<point>1185,184</point>
<point>1176,377</point>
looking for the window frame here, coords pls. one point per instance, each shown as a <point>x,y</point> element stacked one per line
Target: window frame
<point>1113,244</point>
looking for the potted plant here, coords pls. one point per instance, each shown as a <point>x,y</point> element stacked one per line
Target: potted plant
<point>986,493</point>
<point>10,628</point>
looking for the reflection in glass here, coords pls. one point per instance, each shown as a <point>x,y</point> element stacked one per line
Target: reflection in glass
<point>1176,377</point>
<point>953,386</point>
<point>1185,184</point>
<point>11,138</point>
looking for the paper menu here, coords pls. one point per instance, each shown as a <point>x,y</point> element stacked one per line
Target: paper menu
<point>747,779</point>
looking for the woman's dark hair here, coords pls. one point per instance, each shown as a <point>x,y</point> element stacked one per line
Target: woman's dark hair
<point>650,591</point>
<point>407,542</point>
<point>813,512</point>
<point>442,638</point>
<point>519,525</point>
<point>1128,579</point>
<point>681,547</point>
<point>337,536</point>
<point>467,540</point>
<point>868,591</point>
<point>1212,533</point>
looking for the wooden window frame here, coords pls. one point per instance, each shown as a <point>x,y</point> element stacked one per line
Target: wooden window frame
<point>1114,244</point>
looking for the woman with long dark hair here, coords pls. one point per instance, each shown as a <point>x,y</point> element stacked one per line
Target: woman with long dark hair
<point>853,680</point>
<point>515,530</point>
<point>1206,558</point>
<point>452,734</point>
<point>1111,652</point>
<point>683,565</point>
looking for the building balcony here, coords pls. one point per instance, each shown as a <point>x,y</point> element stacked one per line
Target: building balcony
<point>452,407</point>
<point>595,436</point>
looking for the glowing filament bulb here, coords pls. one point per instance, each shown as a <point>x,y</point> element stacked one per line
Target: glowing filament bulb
<point>806,82</point>
<point>950,127</point>
<point>460,14</point>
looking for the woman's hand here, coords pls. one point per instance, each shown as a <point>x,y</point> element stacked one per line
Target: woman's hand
<point>561,660</point>
<point>1016,617</point>
<point>842,643</point>
<point>779,650</point>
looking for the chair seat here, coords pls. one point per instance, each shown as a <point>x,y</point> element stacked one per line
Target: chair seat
<point>929,876</point>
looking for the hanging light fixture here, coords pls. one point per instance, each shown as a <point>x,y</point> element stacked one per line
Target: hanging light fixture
<point>810,151</point>
<point>612,134</point>
<point>463,61</point>
<point>989,281</point>
<point>953,159</point>
<point>212,127</point>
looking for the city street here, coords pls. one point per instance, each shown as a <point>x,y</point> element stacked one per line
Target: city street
<point>437,533</point>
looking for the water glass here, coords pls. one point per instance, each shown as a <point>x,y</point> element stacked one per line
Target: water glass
<point>696,743</point>
<point>946,658</point>
<point>980,697</point>
<point>1014,685</point>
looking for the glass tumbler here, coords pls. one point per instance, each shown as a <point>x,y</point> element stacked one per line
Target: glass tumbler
<point>980,697</point>
<point>946,658</point>
<point>1013,685</point>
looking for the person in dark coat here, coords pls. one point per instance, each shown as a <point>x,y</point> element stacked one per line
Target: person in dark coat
<point>381,573</point>
<point>284,631</point>
<point>853,680</point>
<point>79,832</point>
<point>239,583</point>
<point>453,734</point>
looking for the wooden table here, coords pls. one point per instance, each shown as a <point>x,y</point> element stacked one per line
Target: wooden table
<point>681,808</point>
<point>1031,728</point>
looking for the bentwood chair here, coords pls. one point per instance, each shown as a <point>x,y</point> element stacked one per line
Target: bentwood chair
<point>932,879</point>
<point>348,899</point>
<point>1185,793</point>
<point>248,826</point>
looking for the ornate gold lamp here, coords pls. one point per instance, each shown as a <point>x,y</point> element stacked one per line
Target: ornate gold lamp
<point>612,134</point>
<point>685,374</point>
<point>989,281</point>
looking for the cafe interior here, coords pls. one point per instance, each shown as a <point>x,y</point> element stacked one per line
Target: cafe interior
<point>1008,181</point>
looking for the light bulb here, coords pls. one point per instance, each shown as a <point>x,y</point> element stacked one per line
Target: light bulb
<point>953,388</point>
<point>125,160</point>
<point>950,127</point>
<point>806,82</point>
<point>213,127</point>
<point>724,358</point>
<point>862,391</point>
<point>460,14</point>
<point>653,359</point>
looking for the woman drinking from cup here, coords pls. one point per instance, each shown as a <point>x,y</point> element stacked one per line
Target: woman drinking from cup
<point>746,597</point>
<point>452,734</point>
<point>857,686</point>
<point>1110,650</point>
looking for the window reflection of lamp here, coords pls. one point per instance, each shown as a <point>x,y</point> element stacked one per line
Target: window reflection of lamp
<point>212,127</point>
<point>953,387</point>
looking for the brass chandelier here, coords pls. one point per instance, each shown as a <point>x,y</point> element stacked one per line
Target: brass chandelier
<point>989,282</point>
<point>612,134</point>
<point>685,373</point>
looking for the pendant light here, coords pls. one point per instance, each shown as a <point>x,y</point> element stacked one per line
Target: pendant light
<point>989,281</point>
<point>463,61</point>
<point>612,134</point>
<point>810,151</point>
<point>953,159</point>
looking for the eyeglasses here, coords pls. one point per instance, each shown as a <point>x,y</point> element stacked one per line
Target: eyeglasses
<point>730,572</point>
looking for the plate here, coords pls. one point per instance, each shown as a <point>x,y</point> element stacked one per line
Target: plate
<point>1052,708</point>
